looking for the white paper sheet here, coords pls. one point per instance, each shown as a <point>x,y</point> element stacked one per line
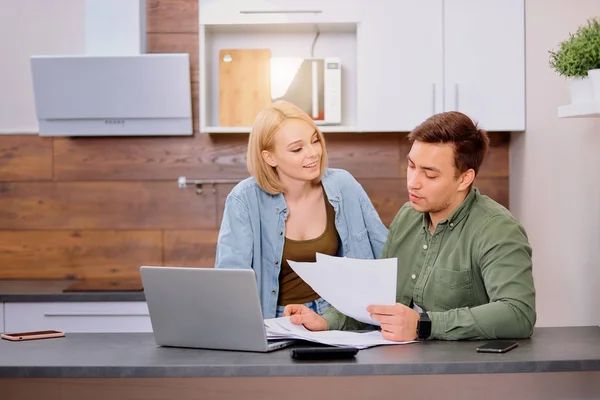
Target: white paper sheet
<point>283,328</point>
<point>350,284</point>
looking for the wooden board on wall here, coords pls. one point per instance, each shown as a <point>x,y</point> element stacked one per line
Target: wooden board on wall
<point>198,157</point>
<point>77,254</point>
<point>367,155</point>
<point>105,205</point>
<point>191,248</point>
<point>172,16</point>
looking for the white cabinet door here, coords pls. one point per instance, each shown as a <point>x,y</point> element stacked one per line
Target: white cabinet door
<point>1,317</point>
<point>399,64</point>
<point>484,42</point>
<point>226,12</point>
<point>78,317</point>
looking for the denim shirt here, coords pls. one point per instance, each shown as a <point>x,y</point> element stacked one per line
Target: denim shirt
<point>252,232</point>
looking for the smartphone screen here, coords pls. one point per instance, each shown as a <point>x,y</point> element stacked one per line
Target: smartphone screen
<point>497,346</point>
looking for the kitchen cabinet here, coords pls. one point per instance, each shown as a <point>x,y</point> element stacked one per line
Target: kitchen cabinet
<point>77,316</point>
<point>402,60</point>
<point>416,59</point>
<point>251,12</point>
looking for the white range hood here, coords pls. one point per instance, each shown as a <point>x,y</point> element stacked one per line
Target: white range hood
<point>115,88</point>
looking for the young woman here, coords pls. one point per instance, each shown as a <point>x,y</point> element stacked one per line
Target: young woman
<point>292,207</point>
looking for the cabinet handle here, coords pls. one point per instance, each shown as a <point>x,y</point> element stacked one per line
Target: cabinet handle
<point>281,11</point>
<point>456,97</point>
<point>433,99</point>
<point>74,314</point>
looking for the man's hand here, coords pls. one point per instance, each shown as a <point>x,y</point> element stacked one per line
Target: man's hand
<point>398,322</point>
<point>300,314</point>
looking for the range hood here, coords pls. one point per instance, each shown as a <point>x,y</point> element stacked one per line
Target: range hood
<point>115,88</point>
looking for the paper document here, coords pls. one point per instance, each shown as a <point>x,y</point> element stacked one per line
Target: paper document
<point>350,284</point>
<point>283,328</point>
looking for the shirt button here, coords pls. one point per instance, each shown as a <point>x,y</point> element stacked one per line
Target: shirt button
<point>276,262</point>
<point>424,247</point>
<point>273,292</point>
<point>280,233</point>
<point>451,224</point>
<point>413,276</point>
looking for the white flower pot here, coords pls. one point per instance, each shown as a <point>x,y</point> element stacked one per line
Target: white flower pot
<point>581,90</point>
<point>594,75</point>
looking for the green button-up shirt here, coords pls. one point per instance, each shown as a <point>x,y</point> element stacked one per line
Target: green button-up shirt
<point>473,275</point>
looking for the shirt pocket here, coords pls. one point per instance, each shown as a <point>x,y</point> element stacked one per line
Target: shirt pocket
<point>453,289</point>
<point>363,245</point>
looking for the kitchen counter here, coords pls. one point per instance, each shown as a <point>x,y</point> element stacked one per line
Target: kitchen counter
<point>555,363</point>
<point>113,355</point>
<point>52,291</point>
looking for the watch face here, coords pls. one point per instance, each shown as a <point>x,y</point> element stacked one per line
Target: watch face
<point>424,327</point>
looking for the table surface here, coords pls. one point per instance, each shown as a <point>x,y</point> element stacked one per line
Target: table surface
<point>111,355</point>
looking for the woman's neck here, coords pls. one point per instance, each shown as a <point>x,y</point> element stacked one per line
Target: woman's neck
<point>297,191</point>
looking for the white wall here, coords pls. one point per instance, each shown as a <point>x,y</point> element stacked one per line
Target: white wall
<point>555,175</point>
<point>32,27</point>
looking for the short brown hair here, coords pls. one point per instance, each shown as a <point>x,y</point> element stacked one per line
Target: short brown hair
<point>262,137</point>
<point>470,143</point>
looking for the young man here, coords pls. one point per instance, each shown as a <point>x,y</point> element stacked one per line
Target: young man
<point>464,262</point>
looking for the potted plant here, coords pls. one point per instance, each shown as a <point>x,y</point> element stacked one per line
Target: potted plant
<point>576,56</point>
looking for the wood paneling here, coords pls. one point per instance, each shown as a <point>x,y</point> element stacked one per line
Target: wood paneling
<point>77,254</point>
<point>366,155</point>
<point>25,158</point>
<point>172,16</point>
<point>195,248</point>
<point>199,157</point>
<point>104,205</point>
<point>387,195</point>
<point>496,188</point>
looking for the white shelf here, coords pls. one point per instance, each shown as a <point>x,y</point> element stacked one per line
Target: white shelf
<point>284,40</point>
<point>246,129</point>
<point>584,110</point>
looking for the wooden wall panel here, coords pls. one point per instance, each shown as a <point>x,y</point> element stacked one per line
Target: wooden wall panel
<point>192,248</point>
<point>104,205</point>
<point>172,16</point>
<point>25,158</point>
<point>366,155</point>
<point>496,188</point>
<point>77,254</point>
<point>199,157</point>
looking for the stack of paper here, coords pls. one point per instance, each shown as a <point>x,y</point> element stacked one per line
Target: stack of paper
<point>283,328</point>
<point>350,284</point>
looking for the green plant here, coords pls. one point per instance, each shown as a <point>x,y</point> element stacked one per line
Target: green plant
<point>580,52</point>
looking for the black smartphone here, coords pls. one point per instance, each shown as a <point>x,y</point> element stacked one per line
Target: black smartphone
<point>323,353</point>
<point>497,346</point>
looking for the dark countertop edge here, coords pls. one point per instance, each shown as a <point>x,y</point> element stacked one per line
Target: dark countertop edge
<point>72,296</point>
<point>298,370</point>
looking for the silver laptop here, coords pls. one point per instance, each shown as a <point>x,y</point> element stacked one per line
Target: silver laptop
<point>206,308</point>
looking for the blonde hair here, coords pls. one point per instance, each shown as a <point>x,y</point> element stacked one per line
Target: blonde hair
<point>262,137</point>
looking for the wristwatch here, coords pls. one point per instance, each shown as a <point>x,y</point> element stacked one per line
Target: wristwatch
<point>424,326</point>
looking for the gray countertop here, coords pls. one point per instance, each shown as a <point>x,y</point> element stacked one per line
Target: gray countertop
<point>52,290</point>
<point>110,355</point>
